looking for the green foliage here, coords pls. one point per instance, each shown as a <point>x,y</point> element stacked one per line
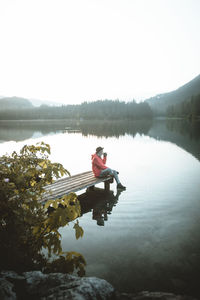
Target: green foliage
<point>26,228</point>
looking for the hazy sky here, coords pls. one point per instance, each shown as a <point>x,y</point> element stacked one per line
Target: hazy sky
<point>72,51</point>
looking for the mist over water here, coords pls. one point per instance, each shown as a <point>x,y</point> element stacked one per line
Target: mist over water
<point>144,238</point>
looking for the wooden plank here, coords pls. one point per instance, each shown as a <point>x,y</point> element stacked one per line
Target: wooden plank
<point>75,176</point>
<point>72,180</point>
<point>71,184</point>
<point>68,184</point>
<point>78,185</point>
<point>69,189</point>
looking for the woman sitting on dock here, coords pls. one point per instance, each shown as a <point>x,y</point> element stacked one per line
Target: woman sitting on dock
<point>100,170</point>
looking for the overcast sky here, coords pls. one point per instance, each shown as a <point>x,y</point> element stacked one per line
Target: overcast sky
<point>72,51</point>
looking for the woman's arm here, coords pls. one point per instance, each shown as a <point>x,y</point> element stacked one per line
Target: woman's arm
<point>99,162</point>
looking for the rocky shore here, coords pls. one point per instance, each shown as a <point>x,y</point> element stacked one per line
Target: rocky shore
<point>38,286</point>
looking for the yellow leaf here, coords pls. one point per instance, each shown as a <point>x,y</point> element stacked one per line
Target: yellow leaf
<point>35,230</point>
<point>55,204</point>
<point>33,183</point>
<point>79,230</point>
<point>62,173</point>
<point>69,256</point>
<point>75,253</point>
<point>48,203</point>
<point>43,164</point>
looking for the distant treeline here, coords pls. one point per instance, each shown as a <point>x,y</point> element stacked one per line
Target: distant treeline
<point>98,110</point>
<point>188,109</point>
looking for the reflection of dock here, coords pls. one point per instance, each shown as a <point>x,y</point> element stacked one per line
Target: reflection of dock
<point>71,130</point>
<point>99,202</point>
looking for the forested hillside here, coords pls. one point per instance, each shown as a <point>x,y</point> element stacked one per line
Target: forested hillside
<point>187,109</point>
<point>160,103</point>
<point>98,110</point>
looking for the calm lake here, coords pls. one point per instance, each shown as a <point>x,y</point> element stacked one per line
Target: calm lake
<point>144,238</point>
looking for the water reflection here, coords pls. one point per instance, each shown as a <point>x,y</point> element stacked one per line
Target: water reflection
<point>115,128</point>
<point>183,133</point>
<point>22,130</point>
<point>100,203</point>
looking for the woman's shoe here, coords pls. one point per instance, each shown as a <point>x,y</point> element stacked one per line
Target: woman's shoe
<point>120,186</point>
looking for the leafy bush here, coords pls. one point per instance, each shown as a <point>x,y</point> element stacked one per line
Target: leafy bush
<point>26,226</point>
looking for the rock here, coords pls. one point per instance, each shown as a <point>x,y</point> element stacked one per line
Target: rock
<point>152,296</point>
<point>38,286</point>
<point>11,276</point>
<point>64,286</point>
<point>6,290</point>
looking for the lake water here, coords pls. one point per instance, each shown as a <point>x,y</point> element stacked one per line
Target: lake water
<point>144,238</point>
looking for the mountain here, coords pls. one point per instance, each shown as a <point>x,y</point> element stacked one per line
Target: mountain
<point>22,103</point>
<point>160,103</point>
<point>37,102</point>
<point>14,103</point>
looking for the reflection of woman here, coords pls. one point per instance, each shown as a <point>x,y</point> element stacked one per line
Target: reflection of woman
<point>100,216</point>
<point>100,170</point>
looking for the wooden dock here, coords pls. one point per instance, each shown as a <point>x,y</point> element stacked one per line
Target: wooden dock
<point>74,183</point>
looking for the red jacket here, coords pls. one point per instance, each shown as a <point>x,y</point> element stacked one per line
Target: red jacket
<point>98,164</point>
